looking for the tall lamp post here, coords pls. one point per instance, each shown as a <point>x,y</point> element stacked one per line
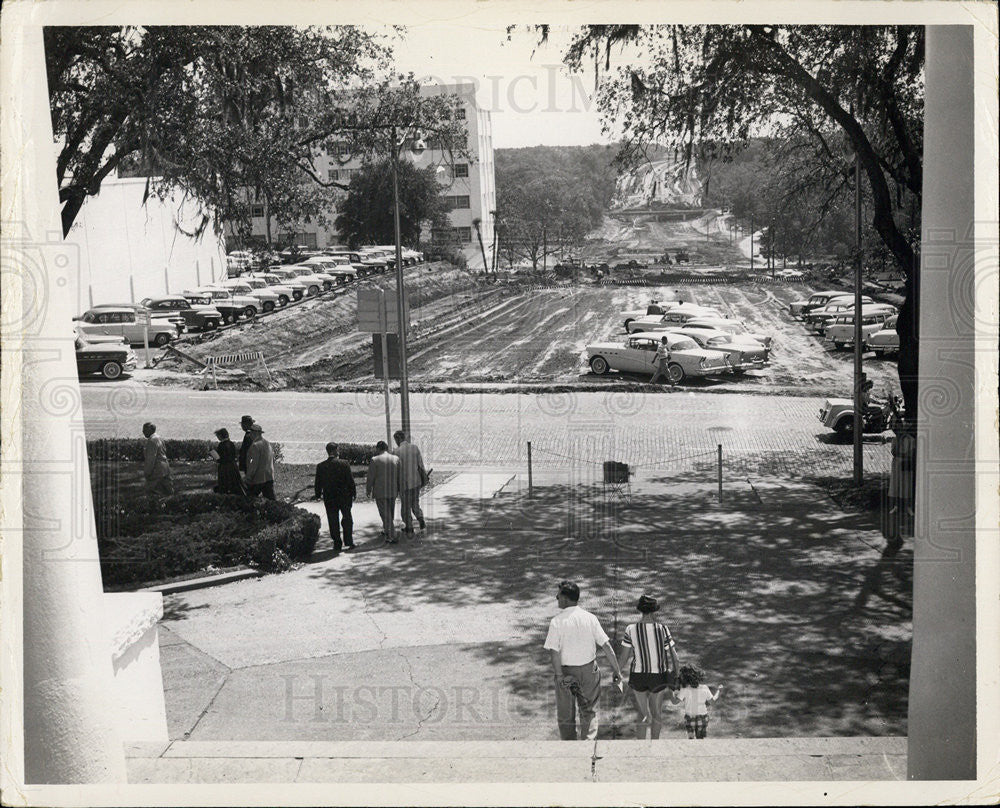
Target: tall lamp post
<point>404,375</point>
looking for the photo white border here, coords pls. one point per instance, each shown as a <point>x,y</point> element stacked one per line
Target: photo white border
<point>982,15</point>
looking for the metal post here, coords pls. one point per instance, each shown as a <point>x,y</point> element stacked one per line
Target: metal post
<point>404,380</point>
<point>751,242</point>
<point>545,249</point>
<point>720,472</point>
<point>131,290</point>
<point>166,280</point>
<point>858,375</point>
<point>530,481</point>
<point>385,390</point>
<point>145,338</point>
<point>197,272</point>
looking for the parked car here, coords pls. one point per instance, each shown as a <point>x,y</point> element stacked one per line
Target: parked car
<point>218,299</point>
<point>833,308</point>
<point>176,318</point>
<point>637,353</point>
<point>326,266</point>
<point>674,317</point>
<point>734,327</point>
<point>248,306</point>
<point>815,301</point>
<point>127,323</point>
<point>655,307</point>
<point>277,281</point>
<point>316,280</point>
<point>111,357</point>
<point>742,354</point>
<point>885,340</point>
<point>268,300</point>
<point>841,331</point>
<point>282,293</point>
<point>310,284</point>
<point>196,318</point>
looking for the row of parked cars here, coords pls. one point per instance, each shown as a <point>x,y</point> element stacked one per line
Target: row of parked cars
<point>831,314</point>
<point>106,333</point>
<point>701,341</point>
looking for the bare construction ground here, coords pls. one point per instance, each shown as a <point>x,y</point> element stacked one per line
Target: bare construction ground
<point>465,331</point>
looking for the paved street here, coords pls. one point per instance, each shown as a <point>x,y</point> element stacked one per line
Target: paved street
<point>675,431</point>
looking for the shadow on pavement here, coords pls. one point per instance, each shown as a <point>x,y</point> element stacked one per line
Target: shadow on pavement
<point>758,595</point>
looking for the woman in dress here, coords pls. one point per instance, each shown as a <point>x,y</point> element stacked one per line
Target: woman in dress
<point>230,481</point>
<point>654,665</point>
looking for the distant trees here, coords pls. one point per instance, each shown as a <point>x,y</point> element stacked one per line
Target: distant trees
<point>549,196</point>
<point>366,213</point>
<point>832,92</point>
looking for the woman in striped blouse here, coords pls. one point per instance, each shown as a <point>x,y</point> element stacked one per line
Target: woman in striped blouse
<point>654,663</point>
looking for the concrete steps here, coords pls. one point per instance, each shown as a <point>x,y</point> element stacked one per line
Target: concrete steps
<point>713,759</point>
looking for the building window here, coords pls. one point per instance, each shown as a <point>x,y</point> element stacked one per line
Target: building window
<point>460,113</point>
<point>257,211</point>
<point>301,122</point>
<point>457,202</point>
<point>333,174</point>
<point>461,169</point>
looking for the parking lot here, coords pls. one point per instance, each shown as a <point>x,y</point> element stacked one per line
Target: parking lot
<point>465,331</point>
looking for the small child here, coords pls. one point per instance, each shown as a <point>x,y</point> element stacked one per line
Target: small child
<point>696,697</point>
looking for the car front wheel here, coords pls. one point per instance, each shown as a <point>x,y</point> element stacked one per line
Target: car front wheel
<point>249,312</point>
<point>161,339</point>
<point>839,345</point>
<point>210,325</point>
<point>313,290</point>
<point>599,365</point>
<point>283,300</point>
<point>111,370</point>
<point>268,305</point>
<point>230,318</point>
<point>627,324</point>
<point>675,373</point>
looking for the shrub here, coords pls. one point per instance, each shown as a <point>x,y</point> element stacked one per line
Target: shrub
<point>357,454</point>
<point>147,539</point>
<point>177,449</point>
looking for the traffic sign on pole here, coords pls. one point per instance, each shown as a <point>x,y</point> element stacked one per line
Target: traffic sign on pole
<point>387,362</point>
<point>377,312</point>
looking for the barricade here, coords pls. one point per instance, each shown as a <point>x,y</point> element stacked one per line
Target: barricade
<point>221,360</point>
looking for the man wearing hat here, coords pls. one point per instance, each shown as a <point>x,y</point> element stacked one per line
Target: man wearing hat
<point>260,465</point>
<point>573,639</point>
<point>245,422</point>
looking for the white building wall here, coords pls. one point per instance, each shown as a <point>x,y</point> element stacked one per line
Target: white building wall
<point>129,250</point>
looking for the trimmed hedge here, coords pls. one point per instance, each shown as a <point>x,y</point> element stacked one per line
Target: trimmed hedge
<point>357,454</point>
<point>147,539</point>
<point>177,449</point>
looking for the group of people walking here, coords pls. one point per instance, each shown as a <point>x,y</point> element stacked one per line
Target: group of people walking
<point>391,476</point>
<point>573,640</point>
<point>249,471</point>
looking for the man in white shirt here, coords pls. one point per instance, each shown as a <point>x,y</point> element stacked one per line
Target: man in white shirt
<point>573,639</point>
<point>661,361</point>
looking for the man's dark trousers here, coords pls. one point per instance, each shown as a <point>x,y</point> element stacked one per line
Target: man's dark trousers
<point>340,506</point>
<point>335,483</point>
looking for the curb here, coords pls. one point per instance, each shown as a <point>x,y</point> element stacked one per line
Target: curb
<point>202,583</point>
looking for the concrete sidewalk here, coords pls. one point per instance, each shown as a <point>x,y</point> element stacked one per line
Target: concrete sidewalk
<point>439,638</point>
<point>759,759</point>
<point>468,485</point>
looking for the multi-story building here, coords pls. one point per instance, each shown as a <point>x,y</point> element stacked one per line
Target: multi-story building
<point>467,183</point>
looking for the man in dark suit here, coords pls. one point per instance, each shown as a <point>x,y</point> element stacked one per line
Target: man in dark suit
<point>335,484</point>
<point>245,422</point>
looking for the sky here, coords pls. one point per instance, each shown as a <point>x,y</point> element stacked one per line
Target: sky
<point>533,98</point>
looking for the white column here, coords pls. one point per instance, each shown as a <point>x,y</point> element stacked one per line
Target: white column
<point>69,736</point>
<point>942,705</point>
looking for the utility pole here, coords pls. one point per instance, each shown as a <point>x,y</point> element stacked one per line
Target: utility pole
<point>404,377</point>
<point>751,242</point>
<point>858,375</point>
